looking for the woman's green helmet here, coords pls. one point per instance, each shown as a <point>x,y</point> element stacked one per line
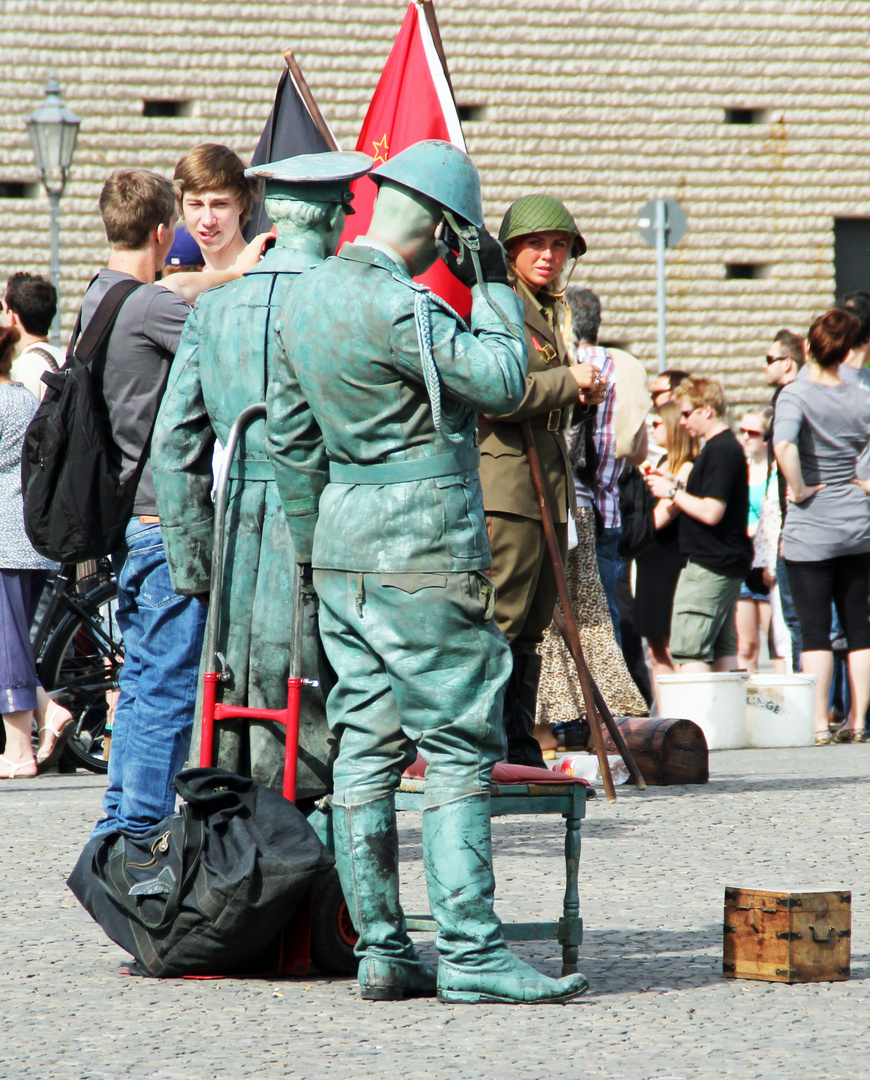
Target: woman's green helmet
<point>540,213</point>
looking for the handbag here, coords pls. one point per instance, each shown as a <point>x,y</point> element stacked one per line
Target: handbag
<point>636,505</point>
<point>208,888</point>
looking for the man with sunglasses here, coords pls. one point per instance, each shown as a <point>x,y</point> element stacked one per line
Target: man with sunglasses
<point>783,360</point>
<point>782,365</point>
<point>714,506</point>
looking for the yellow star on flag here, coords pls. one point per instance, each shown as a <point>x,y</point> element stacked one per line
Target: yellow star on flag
<point>381,151</point>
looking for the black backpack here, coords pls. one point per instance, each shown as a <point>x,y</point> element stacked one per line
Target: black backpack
<point>75,506</point>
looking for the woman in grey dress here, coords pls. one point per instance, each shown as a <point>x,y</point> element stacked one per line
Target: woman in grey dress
<point>822,446</point>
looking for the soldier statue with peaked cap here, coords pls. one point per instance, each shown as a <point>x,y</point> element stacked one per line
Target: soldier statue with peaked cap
<point>400,554</point>
<point>222,366</point>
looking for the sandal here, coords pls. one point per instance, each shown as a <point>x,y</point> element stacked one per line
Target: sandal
<point>16,767</point>
<point>823,738</point>
<point>53,735</point>
<point>850,735</point>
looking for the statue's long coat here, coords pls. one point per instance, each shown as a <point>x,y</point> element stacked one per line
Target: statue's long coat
<point>220,368</point>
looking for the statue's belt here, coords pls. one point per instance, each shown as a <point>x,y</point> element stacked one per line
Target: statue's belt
<point>403,472</point>
<point>252,467</point>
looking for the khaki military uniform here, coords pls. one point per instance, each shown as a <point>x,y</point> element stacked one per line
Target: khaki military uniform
<point>521,568</point>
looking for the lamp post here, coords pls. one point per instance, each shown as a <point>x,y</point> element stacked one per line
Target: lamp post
<point>53,129</point>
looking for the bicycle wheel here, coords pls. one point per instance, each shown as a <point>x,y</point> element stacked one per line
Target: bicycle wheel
<point>79,669</point>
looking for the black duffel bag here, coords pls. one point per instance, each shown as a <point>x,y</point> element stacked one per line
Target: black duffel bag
<point>209,888</point>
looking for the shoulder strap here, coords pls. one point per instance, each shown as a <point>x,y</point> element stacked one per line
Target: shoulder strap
<point>92,346</point>
<point>52,363</point>
<point>103,319</point>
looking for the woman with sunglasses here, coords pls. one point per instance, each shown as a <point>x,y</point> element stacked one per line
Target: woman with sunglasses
<point>822,446</point>
<point>753,606</point>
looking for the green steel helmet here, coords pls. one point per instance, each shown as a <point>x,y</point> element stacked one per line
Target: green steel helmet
<point>440,171</point>
<point>540,213</point>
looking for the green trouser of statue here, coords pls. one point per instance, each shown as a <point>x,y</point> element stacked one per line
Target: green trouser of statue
<point>395,381</point>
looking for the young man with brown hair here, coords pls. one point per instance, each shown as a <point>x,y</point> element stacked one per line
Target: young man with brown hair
<point>162,631</point>
<point>216,201</point>
<point>714,506</point>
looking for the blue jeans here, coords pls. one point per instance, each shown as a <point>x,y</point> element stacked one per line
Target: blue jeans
<point>788,613</point>
<point>610,567</point>
<point>162,634</point>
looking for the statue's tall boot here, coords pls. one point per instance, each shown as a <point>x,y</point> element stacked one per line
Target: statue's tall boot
<point>367,859</point>
<point>520,701</point>
<point>475,965</point>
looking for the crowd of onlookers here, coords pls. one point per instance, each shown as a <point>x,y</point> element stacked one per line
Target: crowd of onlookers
<point>762,531</point>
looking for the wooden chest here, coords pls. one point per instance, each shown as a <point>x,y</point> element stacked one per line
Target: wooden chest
<point>666,751</point>
<point>787,935</point>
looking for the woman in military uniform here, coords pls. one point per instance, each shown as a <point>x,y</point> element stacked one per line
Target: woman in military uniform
<point>539,235</point>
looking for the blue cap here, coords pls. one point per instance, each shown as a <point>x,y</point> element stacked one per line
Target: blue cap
<point>185,250</point>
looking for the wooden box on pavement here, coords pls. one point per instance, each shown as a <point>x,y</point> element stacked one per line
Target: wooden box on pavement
<point>790,935</point>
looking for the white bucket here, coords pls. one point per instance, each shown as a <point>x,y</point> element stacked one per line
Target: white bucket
<point>780,710</point>
<point>715,701</point>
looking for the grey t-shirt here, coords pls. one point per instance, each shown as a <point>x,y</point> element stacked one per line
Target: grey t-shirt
<point>141,347</point>
<point>830,425</point>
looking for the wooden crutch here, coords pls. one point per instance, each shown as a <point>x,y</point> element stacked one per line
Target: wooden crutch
<point>572,635</point>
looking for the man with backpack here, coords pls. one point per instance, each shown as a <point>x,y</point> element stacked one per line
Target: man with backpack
<point>162,631</point>
<point>30,305</point>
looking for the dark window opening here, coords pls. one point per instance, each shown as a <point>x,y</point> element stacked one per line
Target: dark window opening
<point>471,112</point>
<point>17,189</point>
<point>851,255</point>
<point>744,116</point>
<point>166,109</point>
<point>745,271</point>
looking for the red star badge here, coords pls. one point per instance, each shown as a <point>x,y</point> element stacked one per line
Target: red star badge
<point>381,151</point>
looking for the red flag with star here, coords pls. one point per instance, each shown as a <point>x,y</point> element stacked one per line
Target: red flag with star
<point>413,101</point>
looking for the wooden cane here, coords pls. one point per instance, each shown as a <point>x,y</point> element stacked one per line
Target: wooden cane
<point>568,610</point>
<point>603,709</point>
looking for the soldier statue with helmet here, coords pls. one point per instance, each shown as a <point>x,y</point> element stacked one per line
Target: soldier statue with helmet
<point>395,381</point>
<point>539,235</point>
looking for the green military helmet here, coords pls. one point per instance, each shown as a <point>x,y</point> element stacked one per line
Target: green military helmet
<point>440,171</point>
<point>540,213</point>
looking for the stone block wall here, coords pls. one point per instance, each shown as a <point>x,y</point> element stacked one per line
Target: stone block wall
<point>604,103</point>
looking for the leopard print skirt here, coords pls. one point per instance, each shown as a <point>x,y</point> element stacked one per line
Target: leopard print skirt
<point>559,694</point>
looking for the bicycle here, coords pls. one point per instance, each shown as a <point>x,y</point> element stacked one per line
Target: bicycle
<point>79,654</point>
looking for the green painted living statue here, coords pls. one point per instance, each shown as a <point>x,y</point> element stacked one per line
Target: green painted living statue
<point>395,381</point>
<point>221,367</point>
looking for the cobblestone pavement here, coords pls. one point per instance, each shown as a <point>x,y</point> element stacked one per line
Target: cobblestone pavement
<point>653,872</point>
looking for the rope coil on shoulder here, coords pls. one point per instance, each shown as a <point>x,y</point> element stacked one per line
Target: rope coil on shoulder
<point>431,375</point>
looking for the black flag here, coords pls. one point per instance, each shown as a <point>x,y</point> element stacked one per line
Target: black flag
<point>290,130</point>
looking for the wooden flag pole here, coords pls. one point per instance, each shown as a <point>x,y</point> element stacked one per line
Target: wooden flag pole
<point>603,709</point>
<point>587,684</point>
<point>565,601</point>
<point>308,98</point>
<point>432,22</point>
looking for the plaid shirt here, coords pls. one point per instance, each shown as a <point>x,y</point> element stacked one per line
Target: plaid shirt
<point>606,493</point>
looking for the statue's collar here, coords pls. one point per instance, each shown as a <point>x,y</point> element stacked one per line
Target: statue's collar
<point>286,260</point>
<point>372,251</point>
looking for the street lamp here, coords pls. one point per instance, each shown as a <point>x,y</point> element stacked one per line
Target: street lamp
<point>53,129</point>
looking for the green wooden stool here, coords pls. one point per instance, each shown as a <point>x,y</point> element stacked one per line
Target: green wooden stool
<point>569,800</point>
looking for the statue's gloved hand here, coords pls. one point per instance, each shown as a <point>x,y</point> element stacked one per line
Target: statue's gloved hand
<point>493,262</point>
